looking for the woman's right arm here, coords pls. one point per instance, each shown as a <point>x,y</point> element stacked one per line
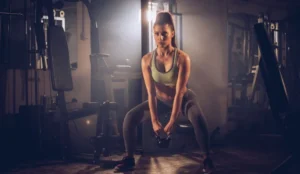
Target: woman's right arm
<point>150,87</point>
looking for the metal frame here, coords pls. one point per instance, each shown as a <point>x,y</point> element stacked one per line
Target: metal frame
<point>62,19</point>
<point>178,29</point>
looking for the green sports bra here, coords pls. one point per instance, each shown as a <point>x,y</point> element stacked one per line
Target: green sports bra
<point>167,78</point>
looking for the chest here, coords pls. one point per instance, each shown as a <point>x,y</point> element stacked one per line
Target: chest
<point>164,64</point>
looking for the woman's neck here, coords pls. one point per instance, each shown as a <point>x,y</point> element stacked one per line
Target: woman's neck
<point>165,51</point>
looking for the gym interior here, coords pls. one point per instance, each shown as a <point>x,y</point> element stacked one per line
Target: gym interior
<point>70,70</point>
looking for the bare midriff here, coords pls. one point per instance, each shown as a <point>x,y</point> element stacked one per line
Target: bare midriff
<point>165,93</point>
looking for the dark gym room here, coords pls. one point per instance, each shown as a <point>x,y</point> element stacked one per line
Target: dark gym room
<point>149,86</point>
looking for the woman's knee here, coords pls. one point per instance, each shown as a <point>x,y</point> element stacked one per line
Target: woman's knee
<point>190,94</point>
<point>193,108</point>
<point>129,119</point>
<point>133,116</point>
<point>195,115</point>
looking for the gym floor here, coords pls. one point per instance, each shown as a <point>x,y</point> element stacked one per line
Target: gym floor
<point>257,157</point>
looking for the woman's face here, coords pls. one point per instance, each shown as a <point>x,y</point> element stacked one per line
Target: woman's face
<point>163,35</point>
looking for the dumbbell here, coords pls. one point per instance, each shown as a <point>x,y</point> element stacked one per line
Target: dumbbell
<point>163,142</point>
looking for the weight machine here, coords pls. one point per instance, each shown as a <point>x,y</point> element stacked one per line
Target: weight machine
<point>283,108</point>
<point>276,68</point>
<point>56,52</point>
<point>62,81</point>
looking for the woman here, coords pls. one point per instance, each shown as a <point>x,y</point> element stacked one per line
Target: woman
<point>166,71</point>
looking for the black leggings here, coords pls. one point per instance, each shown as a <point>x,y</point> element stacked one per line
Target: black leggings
<point>190,109</point>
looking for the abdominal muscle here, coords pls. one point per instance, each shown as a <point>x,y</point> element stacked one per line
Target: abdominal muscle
<point>165,93</point>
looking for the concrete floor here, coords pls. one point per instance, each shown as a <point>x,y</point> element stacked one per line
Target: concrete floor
<point>228,160</point>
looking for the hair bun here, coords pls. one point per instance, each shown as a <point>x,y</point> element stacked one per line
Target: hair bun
<point>164,18</point>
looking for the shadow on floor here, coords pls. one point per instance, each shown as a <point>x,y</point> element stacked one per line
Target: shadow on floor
<point>90,170</point>
<point>189,169</point>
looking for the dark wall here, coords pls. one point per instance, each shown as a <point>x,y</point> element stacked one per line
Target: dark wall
<point>13,45</point>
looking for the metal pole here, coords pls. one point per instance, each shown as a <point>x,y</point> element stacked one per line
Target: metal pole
<point>145,26</point>
<point>10,14</point>
<point>33,47</point>
<point>144,50</point>
<point>12,63</point>
<point>96,94</point>
<point>145,38</point>
<point>3,74</point>
<point>26,52</point>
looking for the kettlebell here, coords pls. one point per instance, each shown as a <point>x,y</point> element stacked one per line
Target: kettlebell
<point>163,142</point>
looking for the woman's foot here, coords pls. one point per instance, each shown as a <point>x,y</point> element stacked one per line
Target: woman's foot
<point>126,164</point>
<point>208,166</point>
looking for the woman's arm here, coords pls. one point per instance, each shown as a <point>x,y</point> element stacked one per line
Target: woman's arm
<point>146,71</point>
<point>183,77</point>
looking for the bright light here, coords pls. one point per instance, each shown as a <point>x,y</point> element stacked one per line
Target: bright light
<point>151,15</point>
<point>88,122</point>
<point>151,12</point>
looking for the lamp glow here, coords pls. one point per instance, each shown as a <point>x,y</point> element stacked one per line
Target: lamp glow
<point>88,122</point>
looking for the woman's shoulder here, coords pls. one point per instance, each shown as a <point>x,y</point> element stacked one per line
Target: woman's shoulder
<point>147,58</point>
<point>182,56</point>
<point>181,53</point>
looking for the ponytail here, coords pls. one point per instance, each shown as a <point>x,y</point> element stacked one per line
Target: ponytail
<point>163,18</point>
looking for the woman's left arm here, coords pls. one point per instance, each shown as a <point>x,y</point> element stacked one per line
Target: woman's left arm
<point>183,77</point>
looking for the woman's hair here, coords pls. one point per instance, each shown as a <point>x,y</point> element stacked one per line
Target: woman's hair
<point>163,18</point>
